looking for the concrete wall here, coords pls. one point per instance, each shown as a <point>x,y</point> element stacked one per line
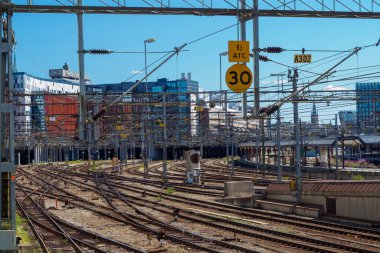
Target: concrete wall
<point>354,206</point>
<point>315,172</point>
<point>366,208</point>
<point>239,189</point>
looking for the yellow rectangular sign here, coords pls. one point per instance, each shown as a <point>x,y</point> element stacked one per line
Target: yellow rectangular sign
<point>302,58</point>
<point>238,51</point>
<point>198,108</point>
<point>292,184</point>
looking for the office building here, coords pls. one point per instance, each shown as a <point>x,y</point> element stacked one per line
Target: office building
<point>368,107</point>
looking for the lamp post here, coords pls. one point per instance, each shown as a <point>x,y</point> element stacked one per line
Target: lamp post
<point>145,147</point>
<point>150,40</point>
<point>220,70</point>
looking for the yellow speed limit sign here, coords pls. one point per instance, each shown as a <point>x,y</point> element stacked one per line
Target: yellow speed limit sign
<point>239,78</point>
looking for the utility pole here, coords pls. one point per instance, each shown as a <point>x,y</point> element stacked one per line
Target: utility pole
<point>336,148</point>
<point>82,88</point>
<point>279,171</point>
<point>226,127</point>
<point>257,150</point>
<point>7,161</point>
<point>231,139</point>
<point>243,32</point>
<point>256,76</point>
<point>164,148</point>
<point>297,161</point>
<point>278,118</point>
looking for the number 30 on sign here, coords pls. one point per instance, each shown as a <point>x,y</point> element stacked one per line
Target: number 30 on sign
<point>239,78</point>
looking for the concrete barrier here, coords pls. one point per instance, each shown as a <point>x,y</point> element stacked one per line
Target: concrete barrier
<point>239,189</point>
<point>288,208</point>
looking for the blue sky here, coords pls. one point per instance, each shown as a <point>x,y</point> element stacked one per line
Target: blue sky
<point>48,40</point>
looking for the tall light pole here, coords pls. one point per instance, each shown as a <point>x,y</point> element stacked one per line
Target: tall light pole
<point>145,147</point>
<point>220,70</point>
<point>150,40</point>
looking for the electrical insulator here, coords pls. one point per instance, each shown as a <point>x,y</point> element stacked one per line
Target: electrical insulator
<point>274,50</point>
<point>262,110</point>
<point>271,109</point>
<point>99,51</point>
<point>263,58</point>
<point>98,115</point>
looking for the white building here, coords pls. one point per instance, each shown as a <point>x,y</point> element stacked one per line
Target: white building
<point>62,81</point>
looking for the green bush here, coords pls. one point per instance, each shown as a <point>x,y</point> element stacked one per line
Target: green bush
<point>358,177</point>
<point>170,190</point>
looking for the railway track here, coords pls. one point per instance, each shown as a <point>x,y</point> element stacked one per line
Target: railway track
<point>177,235</point>
<point>57,235</point>
<point>246,229</point>
<point>217,206</point>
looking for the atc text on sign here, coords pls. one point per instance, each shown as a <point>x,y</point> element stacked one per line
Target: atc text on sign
<point>238,51</point>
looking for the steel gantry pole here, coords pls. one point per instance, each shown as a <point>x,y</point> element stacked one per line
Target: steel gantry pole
<point>297,161</point>
<point>145,122</point>
<point>256,88</point>
<point>7,162</point>
<point>243,32</point>
<point>279,171</point>
<point>336,148</point>
<point>226,127</point>
<point>82,88</point>
<point>256,74</point>
<point>164,146</point>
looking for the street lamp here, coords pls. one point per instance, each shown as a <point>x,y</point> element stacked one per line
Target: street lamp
<point>150,40</point>
<point>220,70</point>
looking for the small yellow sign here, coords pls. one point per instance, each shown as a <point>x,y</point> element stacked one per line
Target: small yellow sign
<point>198,108</point>
<point>292,185</point>
<point>124,136</point>
<point>302,58</point>
<point>238,51</point>
<point>239,78</point>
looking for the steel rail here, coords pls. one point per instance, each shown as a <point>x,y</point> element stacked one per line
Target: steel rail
<point>310,247</point>
<point>370,234</point>
<point>189,234</point>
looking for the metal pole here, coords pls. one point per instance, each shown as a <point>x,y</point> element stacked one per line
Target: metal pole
<point>146,118</point>
<point>231,137</point>
<point>336,148</point>
<point>220,75</point>
<point>143,118</point>
<point>164,148</point>
<point>262,141</point>
<point>257,149</point>
<point>243,38</point>
<point>146,70</point>
<point>226,129</point>
<point>279,176</point>
<point>82,88</point>
<point>256,88</point>
<point>7,163</point>
<point>297,162</point>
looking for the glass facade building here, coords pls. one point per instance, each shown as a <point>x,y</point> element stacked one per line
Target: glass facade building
<point>181,121</point>
<point>368,107</point>
<point>348,120</point>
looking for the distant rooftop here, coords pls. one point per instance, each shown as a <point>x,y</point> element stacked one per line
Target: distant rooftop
<point>65,73</point>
